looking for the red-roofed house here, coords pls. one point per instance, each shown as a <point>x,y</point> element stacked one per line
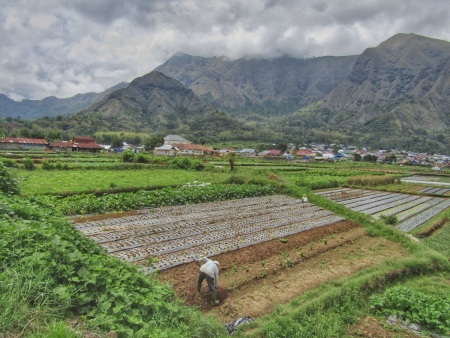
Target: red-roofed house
<point>85,144</point>
<point>59,146</point>
<point>274,152</point>
<point>82,139</point>
<point>90,147</point>
<point>23,143</point>
<point>305,152</point>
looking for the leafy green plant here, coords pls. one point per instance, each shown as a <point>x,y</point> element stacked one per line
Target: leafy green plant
<point>90,203</point>
<point>289,262</point>
<point>8,183</point>
<point>233,268</point>
<point>418,307</point>
<point>389,220</point>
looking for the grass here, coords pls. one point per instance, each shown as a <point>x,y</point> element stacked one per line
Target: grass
<point>438,284</point>
<point>27,300</point>
<point>440,241</point>
<point>79,181</point>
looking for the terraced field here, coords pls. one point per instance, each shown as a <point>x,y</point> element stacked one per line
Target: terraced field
<point>411,210</point>
<point>170,236</point>
<point>428,180</point>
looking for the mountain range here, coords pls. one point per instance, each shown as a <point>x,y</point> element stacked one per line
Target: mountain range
<point>51,106</point>
<point>394,95</point>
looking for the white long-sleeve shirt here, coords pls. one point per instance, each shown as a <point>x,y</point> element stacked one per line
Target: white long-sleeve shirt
<point>210,268</point>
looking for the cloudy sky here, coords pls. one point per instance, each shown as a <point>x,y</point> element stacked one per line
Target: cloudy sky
<point>65,47</point>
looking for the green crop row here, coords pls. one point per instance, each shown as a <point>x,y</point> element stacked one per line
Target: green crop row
<point>372,180</point>
<point>90,203</point>
<point>40,182</point>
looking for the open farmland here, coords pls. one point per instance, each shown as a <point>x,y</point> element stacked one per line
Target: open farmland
<point>411,210</point>
<point>292,266</point>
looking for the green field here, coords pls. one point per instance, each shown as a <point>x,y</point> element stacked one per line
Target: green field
<point>79,181</point>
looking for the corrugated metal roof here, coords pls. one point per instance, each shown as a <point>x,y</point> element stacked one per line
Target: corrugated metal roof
<point>91,145</point>
<point>83,139</point>
<point>61,144</point>
<point>23,140</point>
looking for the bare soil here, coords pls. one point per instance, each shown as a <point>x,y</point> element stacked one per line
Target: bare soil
<point>371,327</point>
<point>253,280</point>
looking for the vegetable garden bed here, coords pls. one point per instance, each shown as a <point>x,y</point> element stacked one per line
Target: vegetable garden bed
<point>411,211</point>
<point>165,237</point>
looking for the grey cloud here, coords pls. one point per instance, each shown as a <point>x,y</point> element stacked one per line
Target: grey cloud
<point>62,48</point>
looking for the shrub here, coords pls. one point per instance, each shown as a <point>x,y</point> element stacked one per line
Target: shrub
<point>197,165</point>
<point>47,165</point>
<point>180,163</point>
<point>8,184</point>
<point>127,156</point>
<point>141,158</point>
<point>10,163</point>
<point>389,220</point>
<point>28,163</point>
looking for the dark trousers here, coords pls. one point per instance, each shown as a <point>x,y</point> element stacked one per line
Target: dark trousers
<point>210,281</point>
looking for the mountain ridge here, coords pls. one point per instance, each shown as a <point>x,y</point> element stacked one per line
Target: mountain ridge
<point>155,103</point>
<point>51,105</point>
<point>267,86</point>
<point>393,95</point>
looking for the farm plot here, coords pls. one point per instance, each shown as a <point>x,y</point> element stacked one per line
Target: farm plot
<point>436,181</point>
<point>165,237</point>
<point>411,210</point>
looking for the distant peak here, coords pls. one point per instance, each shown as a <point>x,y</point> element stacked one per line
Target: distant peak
<point>180,54</point>
<point>408,38</point>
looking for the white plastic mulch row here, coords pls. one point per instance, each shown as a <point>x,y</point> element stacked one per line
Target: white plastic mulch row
<point>194,252</point>
<point>414,201</point>
<point>434,191</point>
<point>424,180</point>
<point>179,234</point>
<point>411,211</point>
<point>424,216</point>
<point>388,201</point>
<point>186,211</point>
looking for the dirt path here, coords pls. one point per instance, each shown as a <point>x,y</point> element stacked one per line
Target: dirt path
<point>255,279</point>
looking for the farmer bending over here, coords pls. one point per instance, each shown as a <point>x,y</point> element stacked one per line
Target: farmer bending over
<point>209,269</point>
